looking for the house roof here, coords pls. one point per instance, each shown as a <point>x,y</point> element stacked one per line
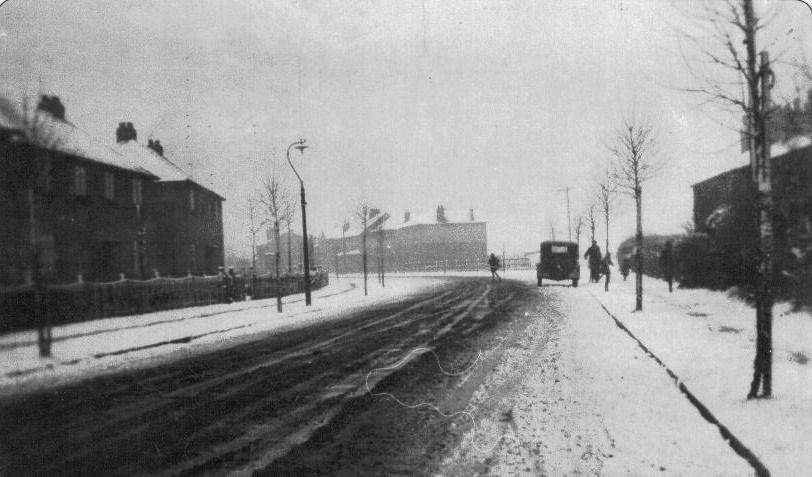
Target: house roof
<point>453,216</point>
<point>397,221</point>
<point>779,153</point>
<point>158,165</point>
<point>150,160</point>
<point>42,129</point>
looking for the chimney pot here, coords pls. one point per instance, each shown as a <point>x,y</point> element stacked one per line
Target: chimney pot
<point>53,105</point>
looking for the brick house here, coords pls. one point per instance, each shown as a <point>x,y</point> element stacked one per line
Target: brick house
<point>715,198</point>
<point>725,214</point>
<point>70,200</point>
<point>88,209</point>
<point>184,220</point>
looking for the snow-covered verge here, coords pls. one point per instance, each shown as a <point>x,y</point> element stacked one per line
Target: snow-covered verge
<point>708,340</point>
<point>576,396</point>
<point>86,349</point>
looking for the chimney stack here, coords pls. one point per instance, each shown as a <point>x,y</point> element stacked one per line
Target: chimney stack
<point>156,146</point>
<point>126,132</point>
<point>53,105</point>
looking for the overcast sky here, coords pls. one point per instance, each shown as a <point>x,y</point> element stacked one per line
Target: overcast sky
<point>406,104</point>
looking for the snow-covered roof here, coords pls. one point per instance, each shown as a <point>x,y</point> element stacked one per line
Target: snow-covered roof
<point>453,216</point>
<point>40,128</point>
<point>150,160</point>
<point>397,221</point>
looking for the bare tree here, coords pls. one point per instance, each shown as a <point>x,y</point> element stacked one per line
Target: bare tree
<point>578,228</point>
<point>288,214</point>
<point>591,220</point>
<point>634,148</point>
<point>273,200</point>
<point>39,130</point>
<point>604,197</point>
<point>344,228</point>
<point>255,225</point>
<point>363,213</point>
<point>731,75</point>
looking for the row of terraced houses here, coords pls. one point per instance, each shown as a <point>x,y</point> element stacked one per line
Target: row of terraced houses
<point>73,208</point>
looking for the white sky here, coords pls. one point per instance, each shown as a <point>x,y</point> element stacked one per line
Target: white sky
<point>407,104</point>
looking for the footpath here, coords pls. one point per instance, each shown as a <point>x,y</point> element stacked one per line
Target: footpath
<point>706,340</point>
<point>574,395</point>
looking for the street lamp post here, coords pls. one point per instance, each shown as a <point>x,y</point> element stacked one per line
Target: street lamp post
<point>301,146</point>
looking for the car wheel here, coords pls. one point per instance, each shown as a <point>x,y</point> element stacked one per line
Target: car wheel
<point>539,281</point>
<point>575,282</point>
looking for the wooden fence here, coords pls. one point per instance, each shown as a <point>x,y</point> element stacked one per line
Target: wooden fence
<point>84,301</point>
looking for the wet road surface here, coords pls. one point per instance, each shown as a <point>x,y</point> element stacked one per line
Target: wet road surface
<point>293,403</point>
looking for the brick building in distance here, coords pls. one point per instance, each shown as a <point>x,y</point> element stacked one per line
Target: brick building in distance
<point>442,240</point>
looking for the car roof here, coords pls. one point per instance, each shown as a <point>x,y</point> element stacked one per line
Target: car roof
<point>559,242</point>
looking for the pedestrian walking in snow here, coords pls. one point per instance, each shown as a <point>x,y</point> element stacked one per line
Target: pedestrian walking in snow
<point>493,263</point>
<point>230,280</point>
<point>593,254</point>
<point>667,264</point>
<point>606,269</point>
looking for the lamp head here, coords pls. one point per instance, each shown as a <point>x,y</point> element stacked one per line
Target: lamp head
<point>301,146</point>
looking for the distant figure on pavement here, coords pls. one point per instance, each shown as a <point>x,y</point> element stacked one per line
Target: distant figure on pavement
<point>231,292</point>
<point>606,269</point>
<point>493,263</point>
<point>593,254</point>
<point>667,264</point>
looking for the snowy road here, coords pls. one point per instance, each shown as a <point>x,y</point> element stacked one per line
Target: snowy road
<point>466,377</point>
<point>244,407</point>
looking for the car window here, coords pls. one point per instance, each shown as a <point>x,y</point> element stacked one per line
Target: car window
<point>559,249</point>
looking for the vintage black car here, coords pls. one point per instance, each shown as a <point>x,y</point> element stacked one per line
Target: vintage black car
<point>558,261</point>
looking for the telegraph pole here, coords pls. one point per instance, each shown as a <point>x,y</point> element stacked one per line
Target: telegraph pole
<point>566,190</point>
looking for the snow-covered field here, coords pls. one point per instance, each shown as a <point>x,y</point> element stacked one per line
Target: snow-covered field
<point>85,349</point>
<point>707,339</point>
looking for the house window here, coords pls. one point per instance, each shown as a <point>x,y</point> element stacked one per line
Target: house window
<point>79,181</point>
<point>109,185</point>
<point>191,199</point>
<point>138,191</point>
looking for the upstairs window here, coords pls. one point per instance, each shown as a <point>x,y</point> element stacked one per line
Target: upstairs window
<point>191,199</point>
<point>138,191</point>
<point>79,181</point>
<point>109,185</point>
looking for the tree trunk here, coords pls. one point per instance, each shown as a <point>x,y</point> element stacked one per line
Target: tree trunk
<point>607,230</point>
<point>364,256</point>
<point>762,364</point>
<point>290,266</point>
<point>380,247</point>
<point>277,239</point>
<point>638,259</point>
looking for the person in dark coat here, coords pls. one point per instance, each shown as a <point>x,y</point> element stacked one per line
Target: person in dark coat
<point>606,269</point>
<point>667,264</point>
<point>593,254</point>
<point>493,263</point>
